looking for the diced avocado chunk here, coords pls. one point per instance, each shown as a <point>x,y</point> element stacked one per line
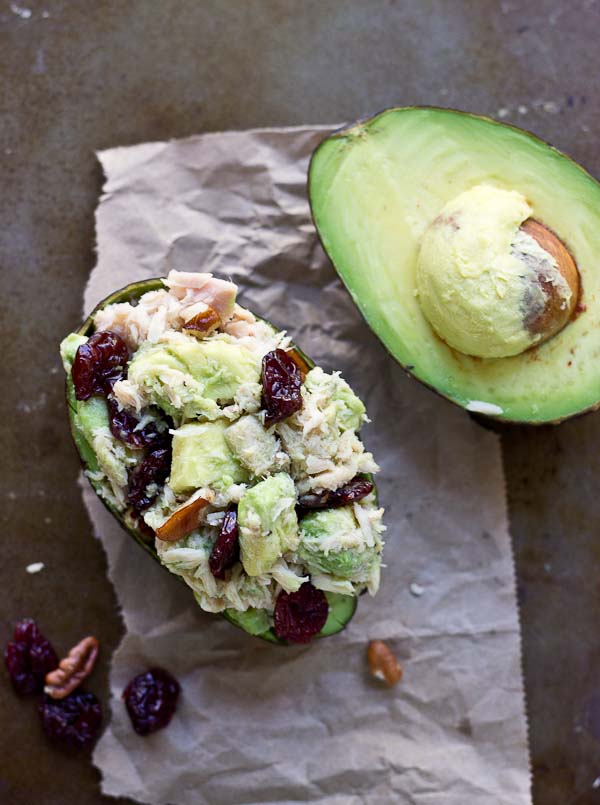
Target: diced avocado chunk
<point>268,526</point>
<point>98,448</point>
<point>69,347</point>
<point>323,535</point>
<point>254,621</point>
<point>202,458</point>
<point>253,445</point>
<point>185,375</point>
<point>91,415</point>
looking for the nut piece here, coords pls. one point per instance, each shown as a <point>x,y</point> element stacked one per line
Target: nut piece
<point>183,521</point>
<point>71,671</point>
<point>299,360</point>
<point>204,323</point>
<point>555,314</point>
<point>383,663</point>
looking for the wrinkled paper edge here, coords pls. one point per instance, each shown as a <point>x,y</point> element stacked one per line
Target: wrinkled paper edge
<point>87,492</point>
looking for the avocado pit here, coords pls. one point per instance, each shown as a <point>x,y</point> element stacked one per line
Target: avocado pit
<point>491,280</point>
<point>555,314</point>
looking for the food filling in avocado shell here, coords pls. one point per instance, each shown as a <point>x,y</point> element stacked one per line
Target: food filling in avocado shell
<point>210,437</point>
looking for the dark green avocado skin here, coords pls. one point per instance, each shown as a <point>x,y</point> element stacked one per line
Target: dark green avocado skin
<point>341,608</point>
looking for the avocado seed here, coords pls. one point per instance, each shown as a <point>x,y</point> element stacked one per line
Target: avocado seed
<point>557,311</point>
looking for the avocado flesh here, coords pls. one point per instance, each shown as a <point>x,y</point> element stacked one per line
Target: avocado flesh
<point>201,457</point>
<point>341,607</point>
<point>374,189</point>
<point>255,621</point>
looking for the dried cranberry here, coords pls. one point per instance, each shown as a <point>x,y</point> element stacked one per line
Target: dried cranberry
<point>356,489</point>
<point>147,533</point>
<point>123,427</point>
<point>153,469</point>
<point>29,657</point>
<point>98,364</point>
<point>73,721</point>
<point>282,384</point>
<point>151,700</point>
<point>226,550</point>
<point>301,615</point>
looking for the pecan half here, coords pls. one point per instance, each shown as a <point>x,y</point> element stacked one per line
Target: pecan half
<point>299,360</point>
<point>71,671</point>
<point>183,521</point>
<point>383,663</point>
<point>204,323</point>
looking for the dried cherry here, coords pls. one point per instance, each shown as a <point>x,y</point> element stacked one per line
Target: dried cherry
<point>282,386</point>
<point>226,550</point>
<point>355,490</point>
<point>98,364</point>
<point>29,657</point>
<point>151,700</point>
<point>73,721</point>
<point>152,469</point>
<point>123,426</point>
<point>299,616</point>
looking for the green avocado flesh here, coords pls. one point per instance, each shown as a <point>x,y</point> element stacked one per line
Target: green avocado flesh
<point>374,189</point>
<point>208,440</point>
<point>256,621</point>
<point>201,457</point>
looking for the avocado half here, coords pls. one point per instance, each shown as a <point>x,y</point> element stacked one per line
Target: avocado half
<point>375,186</point>
<point>341,607</point>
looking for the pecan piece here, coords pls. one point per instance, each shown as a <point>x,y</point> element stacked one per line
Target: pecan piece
<point>71,671</point>
<point>183,521</point>
<point>204,323</point>
<point>300,360</point>
<point>383,663</point>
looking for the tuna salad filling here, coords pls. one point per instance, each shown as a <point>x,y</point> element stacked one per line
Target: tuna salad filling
<point>205,428</point>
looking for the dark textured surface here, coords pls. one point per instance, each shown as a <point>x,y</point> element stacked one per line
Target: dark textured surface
<point>79,76</point>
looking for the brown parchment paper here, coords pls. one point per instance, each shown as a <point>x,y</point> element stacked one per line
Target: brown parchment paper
<point>258,723</point>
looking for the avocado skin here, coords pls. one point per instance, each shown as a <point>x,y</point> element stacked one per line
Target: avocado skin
<point>494,422</point>
<point>130,293</point>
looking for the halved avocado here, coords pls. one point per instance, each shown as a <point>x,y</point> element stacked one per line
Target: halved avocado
<point>377,186</point>
<point>341,607</point>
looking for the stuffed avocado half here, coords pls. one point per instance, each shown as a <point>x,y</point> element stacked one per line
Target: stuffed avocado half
<point>472,250</point>
<point>231,458</point>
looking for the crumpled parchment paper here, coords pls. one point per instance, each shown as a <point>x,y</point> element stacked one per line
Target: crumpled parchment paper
<point>258,723</point>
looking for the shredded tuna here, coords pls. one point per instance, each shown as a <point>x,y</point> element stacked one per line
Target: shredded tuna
<point>192,288</point>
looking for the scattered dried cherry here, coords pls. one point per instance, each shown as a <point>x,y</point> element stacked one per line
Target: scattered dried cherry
<point>73,721</point>
<point>355,490</point>
<point>299,616</point>
<point>226,550</point>
<point>282,384</point>
<point>29,657</point>
<point>153,469</point>
<point>123,427</point>
<point>151,700</point>
<point>98,364</point>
